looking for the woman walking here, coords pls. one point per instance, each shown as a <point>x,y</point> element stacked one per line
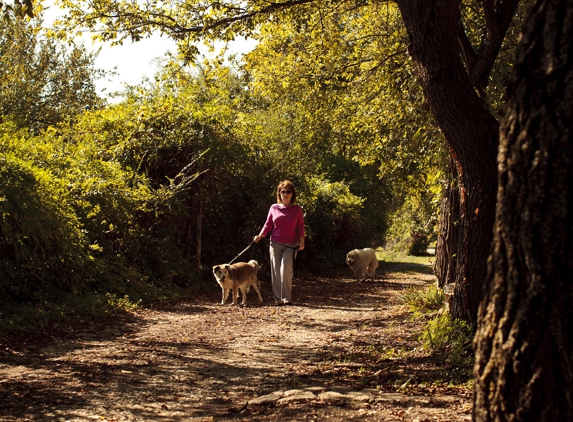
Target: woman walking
<point>286,221</point>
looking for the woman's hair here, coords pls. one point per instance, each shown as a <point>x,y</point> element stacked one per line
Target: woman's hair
<point>285,184</point>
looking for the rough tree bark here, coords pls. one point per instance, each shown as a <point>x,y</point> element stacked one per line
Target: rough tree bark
<point>524,347</point>
<point>448,234</point>
<point>452,78</point>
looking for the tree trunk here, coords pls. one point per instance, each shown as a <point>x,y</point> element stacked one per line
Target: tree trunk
<point>200,207</point>
<point>449,235</point>
<point>469,128</point>
<point>524,347</point>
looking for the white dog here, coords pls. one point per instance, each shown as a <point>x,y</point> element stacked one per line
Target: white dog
<point>239,276</point>
<point>363,262</point>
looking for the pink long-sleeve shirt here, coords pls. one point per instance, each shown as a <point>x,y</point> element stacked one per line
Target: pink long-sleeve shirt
<point>287,224</point>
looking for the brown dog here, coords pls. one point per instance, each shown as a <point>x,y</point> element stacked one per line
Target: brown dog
<point>241,275</point>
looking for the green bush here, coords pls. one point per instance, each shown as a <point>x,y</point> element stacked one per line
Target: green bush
<point>199,177</point>
<point>449,339</point>
<point>68,227</point>
<point>41,242</point>
<point>423,300</point>
<point>332,219</point>
<point>413,223</point>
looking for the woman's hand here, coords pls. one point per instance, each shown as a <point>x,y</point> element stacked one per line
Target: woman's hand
<point>301,244</point>
<point>257,238</point>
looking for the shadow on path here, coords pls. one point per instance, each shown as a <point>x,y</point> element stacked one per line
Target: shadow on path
<point>197,360</point>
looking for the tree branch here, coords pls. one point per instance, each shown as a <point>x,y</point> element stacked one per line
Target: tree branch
<point>498,15</point>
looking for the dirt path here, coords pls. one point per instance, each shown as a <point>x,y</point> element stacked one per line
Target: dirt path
<point>346,351</point>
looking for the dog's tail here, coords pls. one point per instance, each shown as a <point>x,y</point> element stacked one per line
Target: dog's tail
<point>254,264</point>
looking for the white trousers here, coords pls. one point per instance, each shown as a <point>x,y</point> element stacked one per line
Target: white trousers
<point>282,268</point>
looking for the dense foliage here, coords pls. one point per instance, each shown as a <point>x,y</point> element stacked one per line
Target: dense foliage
<point>352,102</point>
<point>42,81</point>
<point>17,9</point>
<point>53,192</point>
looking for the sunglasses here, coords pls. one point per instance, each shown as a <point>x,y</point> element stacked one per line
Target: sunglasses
<point>286,191</point>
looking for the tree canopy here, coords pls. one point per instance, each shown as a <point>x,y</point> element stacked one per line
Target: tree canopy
<point>42,81</point>
<point>17,9</point>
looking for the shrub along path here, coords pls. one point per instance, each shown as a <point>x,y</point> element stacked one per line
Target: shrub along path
<point>345,351</point>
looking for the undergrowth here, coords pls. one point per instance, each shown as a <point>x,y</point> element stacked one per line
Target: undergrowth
<point>448,339</point>
<point>35,315</point>
<point>423,301</point>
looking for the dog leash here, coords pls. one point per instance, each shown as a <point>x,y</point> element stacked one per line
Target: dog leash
<point>242,252</point>
<point>282,244</point>
<point>268,240</point>
<point>296,249</point>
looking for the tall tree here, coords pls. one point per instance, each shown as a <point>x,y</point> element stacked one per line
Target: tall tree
<point>454,77</point>
<point>42,81</point>
<point>453,72</point>
<point>524,348</point>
